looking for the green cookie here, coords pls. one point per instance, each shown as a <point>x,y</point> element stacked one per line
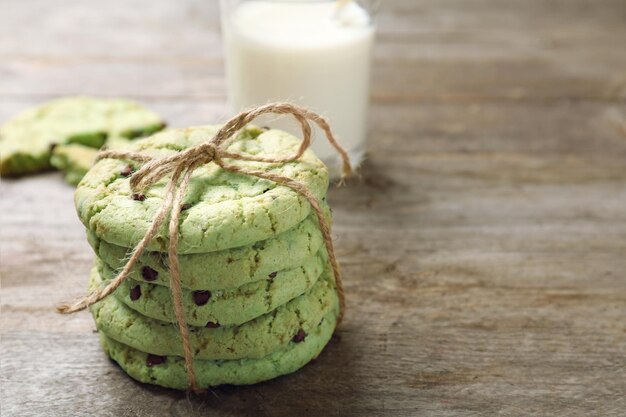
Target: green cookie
<point>223,209</point>
<point>169,371</point>
<point>229,268</point>
<point>254,339</point>
<point>227,307</point>
<point>27,139</point>
<point>75,159</point>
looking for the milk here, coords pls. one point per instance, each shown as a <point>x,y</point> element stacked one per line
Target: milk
<point>306,52</point>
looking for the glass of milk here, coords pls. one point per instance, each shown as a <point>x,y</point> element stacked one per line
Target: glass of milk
<point>316,53</point>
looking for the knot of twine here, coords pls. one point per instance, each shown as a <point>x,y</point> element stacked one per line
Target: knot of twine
<point>181,166</point>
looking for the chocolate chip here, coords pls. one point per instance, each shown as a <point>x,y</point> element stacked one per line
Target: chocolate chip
<point>52,146</point>
<point>299,337</point>
<point>135,293</point>
<point>185,206</point>
<point>127,172</point>
<point>149,274</point>
<point>272,275</point>
<point>139,197</point>
<point>201,297</point>
<point>152,360</point>
<point>212,325</point>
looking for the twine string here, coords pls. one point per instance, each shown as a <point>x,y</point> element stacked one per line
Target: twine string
<point>181,166</point>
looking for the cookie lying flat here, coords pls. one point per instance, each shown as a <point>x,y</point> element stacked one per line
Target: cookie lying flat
<point>225,307</point>
<point>75,159</point>
<point>254,339</point>
<point>230,268</point>
<point>169,371</point>
<point>27,139</point>
<point>223,210</point>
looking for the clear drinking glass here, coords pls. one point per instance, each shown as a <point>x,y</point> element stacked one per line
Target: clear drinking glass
<point>316,53</point>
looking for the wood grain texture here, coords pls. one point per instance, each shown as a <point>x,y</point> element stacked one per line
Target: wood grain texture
<point>483,244</point>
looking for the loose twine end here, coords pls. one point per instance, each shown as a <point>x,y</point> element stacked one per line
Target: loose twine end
<point>63,308</point>
<point>181,166</point>
<point>83,303</point>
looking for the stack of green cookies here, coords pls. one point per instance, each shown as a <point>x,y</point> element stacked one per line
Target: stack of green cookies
<point>66,134</point>
<point>258,293</point>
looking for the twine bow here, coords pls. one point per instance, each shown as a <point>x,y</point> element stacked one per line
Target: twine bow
<point>181,167</point>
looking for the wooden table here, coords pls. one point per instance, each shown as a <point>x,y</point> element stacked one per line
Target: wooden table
<point>484,246</point>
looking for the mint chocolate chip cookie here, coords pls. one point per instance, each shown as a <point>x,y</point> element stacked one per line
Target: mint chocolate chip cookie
<point>227,307</point>
<point>254,339</point>
<point>169,371</point>
<point>75,159</point>
<point>27,140</point>
<point>229,268</point>
<point>222,210</point>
